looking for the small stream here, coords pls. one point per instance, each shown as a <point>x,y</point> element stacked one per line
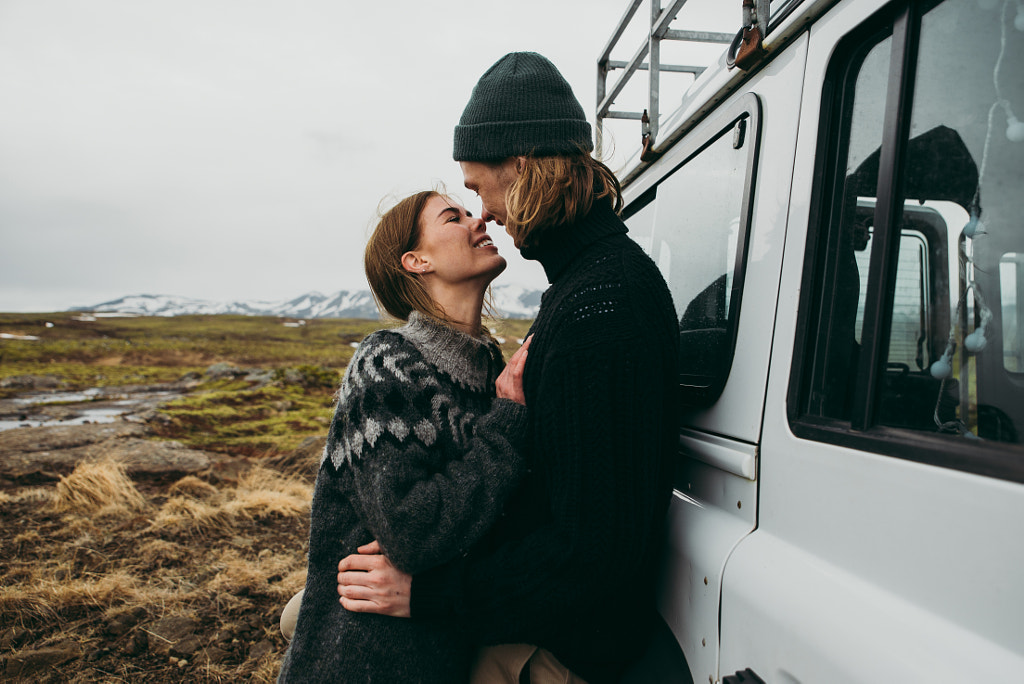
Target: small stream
<point>95,405</point>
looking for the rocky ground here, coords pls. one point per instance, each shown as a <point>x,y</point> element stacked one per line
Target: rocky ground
<point>124,558</point>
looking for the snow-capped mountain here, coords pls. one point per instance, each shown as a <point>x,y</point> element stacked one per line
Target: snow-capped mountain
<point>511,301</point>
<point>515,301</point>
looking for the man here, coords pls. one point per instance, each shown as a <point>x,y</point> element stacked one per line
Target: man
<point>566,578</point>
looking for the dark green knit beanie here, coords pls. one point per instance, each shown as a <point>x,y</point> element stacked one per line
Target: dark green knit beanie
<point>521,105</point>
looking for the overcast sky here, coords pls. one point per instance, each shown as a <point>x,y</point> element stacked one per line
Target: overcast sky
<point>239,149</point>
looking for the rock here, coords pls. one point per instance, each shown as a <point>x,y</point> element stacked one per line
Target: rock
<point>136,644</point>
<point>13,637</point>
<point>122,622</point>
<point>97,654</point>
<point>166,633</point>
<point>43,454</point>
<point>260,377</point>
<point>154,416</point>
<point>152,460</point>
<point>224,370</point>
<point>61,437</point>
<point>31,382</point>
<point>227,471</point>
<point>33,662</point>
<point>224,637</point>
<point>292,376</point>
<point>261,649</point>
<point>213,655</point>
<point>187,646</point>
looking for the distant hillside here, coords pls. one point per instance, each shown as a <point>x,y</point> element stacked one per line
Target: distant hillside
<point>511,301</point>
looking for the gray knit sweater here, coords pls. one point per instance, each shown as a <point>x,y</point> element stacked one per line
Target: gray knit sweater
<point>421,457</point>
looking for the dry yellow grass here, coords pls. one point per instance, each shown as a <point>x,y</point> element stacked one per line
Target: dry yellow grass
<point>264,492</point>
<point>237,574</point>
<point>95,551</point>
<point>97,487</point>
<point>31,495</point>
<point>186,516</point>
<point>192,487</point>
<point>45,597</point>
<point>199,509</point>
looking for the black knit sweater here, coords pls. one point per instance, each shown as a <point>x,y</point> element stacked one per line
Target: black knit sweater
<point>421,457</point>
<point>570,567</point>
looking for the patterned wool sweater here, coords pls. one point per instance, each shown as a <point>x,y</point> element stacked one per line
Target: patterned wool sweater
<point>571,565</point>
<point>421,457</point>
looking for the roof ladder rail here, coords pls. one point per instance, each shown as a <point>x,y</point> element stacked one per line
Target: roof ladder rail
<point>659,31</point>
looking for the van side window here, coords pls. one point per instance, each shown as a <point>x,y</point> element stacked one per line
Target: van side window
<point>913,285</point>
<point>695,230</point>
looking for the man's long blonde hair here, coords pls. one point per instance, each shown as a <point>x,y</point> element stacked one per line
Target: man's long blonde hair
<point>555,191</point>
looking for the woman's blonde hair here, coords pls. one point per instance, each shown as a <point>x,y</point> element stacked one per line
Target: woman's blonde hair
<point>554,191</point>
<point>396,290</point>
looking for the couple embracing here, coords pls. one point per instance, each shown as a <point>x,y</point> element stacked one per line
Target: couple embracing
<point>498,523</point>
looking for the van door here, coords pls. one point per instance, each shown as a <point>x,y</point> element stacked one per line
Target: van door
<point>712,214</point>
<point>891,503</point>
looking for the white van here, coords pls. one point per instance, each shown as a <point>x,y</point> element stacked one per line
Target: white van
<point>841,223</point>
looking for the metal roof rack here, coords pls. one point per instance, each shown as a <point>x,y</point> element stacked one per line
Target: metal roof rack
<point>660,20</point>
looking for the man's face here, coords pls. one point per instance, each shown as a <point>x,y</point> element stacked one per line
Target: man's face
<point>490,182</point>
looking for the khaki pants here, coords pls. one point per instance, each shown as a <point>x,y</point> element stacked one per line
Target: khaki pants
<point>504,664</point>
<point>290,615</point>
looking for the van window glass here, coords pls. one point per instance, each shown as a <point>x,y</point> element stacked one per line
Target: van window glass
<point>917,329</point>
<point>696,250</point>
<point>959,151</point>
<point>698,245</point>
<point>848,251</point>
<point>641,226</point>
<point>1010,284</point>
<point>911,324</point>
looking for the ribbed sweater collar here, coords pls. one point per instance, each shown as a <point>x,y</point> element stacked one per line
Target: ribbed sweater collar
<point>467,359</point>
<point>563,244</point>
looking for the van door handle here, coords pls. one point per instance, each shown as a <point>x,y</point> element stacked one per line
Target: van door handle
<point>746,676</point>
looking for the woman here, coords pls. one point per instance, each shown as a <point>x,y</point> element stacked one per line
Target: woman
<point>421,454</point>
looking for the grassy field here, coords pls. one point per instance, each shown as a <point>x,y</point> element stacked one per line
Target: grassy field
<point>224,414</point>
<point>108,579</point>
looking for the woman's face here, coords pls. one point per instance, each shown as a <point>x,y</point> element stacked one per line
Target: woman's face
<point>454,246</point>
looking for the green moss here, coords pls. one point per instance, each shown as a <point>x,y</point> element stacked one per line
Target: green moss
<point>249,421</point>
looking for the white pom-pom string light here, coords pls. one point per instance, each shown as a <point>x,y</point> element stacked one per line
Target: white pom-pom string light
<point>975,342</point>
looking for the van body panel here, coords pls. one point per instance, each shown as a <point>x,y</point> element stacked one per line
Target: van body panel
<point>711,511</point>
<point>865,567</point>
<point>791,616</point>
<point>800,546</point>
